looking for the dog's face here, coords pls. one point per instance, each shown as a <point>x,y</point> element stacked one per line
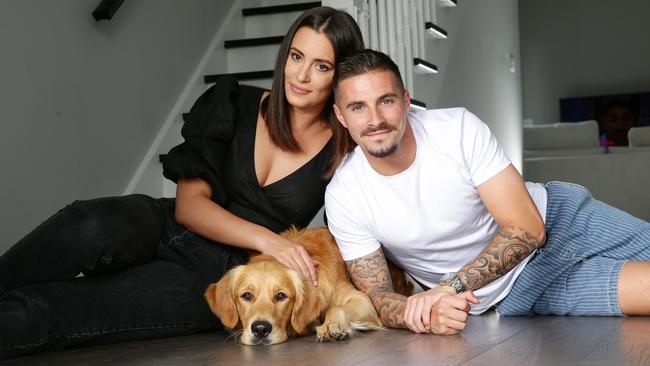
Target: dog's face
<point>267,300</point>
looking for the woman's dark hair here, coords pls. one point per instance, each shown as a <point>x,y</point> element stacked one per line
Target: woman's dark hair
<point>345,36</point>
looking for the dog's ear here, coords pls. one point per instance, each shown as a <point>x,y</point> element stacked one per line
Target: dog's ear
<point>307,306</point>
<point>221,298</point>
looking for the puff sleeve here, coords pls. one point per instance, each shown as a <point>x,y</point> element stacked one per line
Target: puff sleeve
<point>208,131</point>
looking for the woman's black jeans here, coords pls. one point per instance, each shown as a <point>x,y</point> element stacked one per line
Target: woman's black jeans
<point>144,276</point>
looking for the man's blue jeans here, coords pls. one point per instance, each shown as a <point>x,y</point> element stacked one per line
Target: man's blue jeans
<point>577,271</point>
<point>143,277</point>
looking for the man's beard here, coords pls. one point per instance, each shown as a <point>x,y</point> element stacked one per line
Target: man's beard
<point>384,152</point>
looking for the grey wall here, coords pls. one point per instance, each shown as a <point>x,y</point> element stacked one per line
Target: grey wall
<point>580,48</point>
<point>483,44</point>
<point>80,102</point>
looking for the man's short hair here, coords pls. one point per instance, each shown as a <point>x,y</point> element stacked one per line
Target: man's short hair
<point>364,61</point>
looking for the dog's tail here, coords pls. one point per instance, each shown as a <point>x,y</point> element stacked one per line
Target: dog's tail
<point>364,327</point>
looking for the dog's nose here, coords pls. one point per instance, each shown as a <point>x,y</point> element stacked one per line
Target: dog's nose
<point>261,328</point>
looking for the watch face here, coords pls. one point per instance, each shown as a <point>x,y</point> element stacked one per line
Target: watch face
<point>451,279</point>
<point>448,277</point>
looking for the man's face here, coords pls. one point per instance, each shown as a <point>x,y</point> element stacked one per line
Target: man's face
<point>373,108</point>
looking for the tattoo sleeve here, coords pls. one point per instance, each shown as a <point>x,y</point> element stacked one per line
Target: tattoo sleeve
<point>370,274</point>
<point>508,248</point>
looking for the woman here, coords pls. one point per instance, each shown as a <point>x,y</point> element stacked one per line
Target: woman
<point>253,163</point>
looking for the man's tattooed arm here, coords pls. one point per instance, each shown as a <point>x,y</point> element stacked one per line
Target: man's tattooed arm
<point>508,248</point>
<point>370,274</point>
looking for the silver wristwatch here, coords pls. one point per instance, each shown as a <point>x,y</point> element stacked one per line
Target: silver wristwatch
<point>451,279</point>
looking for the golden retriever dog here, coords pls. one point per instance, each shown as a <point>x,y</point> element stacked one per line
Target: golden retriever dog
<point>271,302</point>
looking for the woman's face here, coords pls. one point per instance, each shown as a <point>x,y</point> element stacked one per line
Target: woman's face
<point>309,70</point>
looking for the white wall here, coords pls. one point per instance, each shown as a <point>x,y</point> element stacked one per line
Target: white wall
<point>483,42</point>
<point>581,48</point>
<point>80,102</point>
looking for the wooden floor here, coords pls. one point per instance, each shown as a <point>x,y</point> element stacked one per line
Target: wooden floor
<point>488,340</point>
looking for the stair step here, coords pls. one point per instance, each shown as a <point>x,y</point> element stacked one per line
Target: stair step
<point>265,74</point>
<point>251,54</point>
<point>263,10</point>
<point>416,104</point>
<point>269,24</point>
<point>424,67</point>
<point>449,3</point>
<point>250,42</point>
<point>435,31</point>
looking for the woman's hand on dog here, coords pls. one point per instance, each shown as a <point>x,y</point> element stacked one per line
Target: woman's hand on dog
<point>294,256</point>
<point>439,310</point>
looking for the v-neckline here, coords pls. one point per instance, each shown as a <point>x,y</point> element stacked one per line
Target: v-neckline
<point>251,165</point>
<point>286,177</point>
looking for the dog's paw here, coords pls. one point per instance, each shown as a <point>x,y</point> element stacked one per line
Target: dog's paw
<point>333,331</point>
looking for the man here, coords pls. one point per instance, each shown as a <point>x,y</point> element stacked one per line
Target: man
<point>434,192</point>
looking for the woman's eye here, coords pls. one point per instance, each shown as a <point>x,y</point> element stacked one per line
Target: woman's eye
<point>247,296</point>
<point>322,67</point>
<point>295,56</point>
<point>280,296</point>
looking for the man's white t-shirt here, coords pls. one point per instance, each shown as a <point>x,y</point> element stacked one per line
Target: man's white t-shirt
<point>428,219</point>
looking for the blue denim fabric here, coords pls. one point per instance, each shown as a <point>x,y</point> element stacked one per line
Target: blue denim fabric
<point>576,272</point>
<point>144,277</point>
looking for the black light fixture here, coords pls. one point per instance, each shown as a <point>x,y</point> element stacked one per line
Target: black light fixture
<point>106,9</point>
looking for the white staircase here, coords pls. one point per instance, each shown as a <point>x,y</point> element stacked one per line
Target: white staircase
<point>246,45</point>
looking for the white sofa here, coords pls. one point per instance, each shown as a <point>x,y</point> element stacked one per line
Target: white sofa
<point>639,137</point>
<point>571,152</point>
<point>561,139</point>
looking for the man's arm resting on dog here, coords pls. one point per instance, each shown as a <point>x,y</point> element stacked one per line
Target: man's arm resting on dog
<point>371,275</point>
<point>521,229</point>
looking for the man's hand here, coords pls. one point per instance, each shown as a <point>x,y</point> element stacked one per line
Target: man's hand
<point>439,310</point>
